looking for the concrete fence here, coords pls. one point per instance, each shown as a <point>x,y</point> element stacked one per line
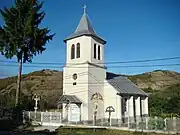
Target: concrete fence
<point>43,118</point>
<point>150,124</point>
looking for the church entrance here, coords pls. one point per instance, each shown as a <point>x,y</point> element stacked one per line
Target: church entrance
<point>71,109</point>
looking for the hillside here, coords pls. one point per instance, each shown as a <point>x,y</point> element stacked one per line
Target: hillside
<point>156,80</point>
<point>48,84</point>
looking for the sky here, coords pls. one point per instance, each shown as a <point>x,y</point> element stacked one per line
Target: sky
<point>133,29</point>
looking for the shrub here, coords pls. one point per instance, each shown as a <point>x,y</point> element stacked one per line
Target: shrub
<point>152,124</point>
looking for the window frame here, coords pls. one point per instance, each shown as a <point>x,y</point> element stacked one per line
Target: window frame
<point>99,52</point>
<point>73,51</point>
<point>95,56</point>
<point>78,50</point>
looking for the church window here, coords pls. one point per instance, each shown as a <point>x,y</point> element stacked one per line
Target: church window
<point>75,76</point>
<point>99,52</point>
<point>95,51</point>
<point>78,50</point>
<point>72,52</point>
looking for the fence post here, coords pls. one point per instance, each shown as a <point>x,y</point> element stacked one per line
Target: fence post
<point>165,124</point>
<point>41,118</point>
<point>128,122</point>
<point>174,123</point>
<point>29,115</point>
<point>60,118</point>
<point>50,115</point>
<point>23,117</point>
<point>146,121</point>
<point>155,122</point>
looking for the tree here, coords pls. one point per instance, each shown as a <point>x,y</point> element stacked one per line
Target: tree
<point>21,36</point>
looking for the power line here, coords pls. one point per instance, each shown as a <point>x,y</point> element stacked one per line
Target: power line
<point>111,62</point>
<point>123,66</point>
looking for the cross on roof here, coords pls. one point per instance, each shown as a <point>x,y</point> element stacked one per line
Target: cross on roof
<point>85,8</point>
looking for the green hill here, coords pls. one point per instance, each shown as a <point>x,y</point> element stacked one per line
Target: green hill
<point>164,87</point>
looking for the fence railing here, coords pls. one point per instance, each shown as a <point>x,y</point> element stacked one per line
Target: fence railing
<point>143,124</point>
<point>43,118</point>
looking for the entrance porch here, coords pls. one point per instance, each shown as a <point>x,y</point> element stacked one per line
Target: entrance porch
<point>71,108</point>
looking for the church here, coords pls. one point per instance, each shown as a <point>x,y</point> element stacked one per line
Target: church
<point>89,91</point>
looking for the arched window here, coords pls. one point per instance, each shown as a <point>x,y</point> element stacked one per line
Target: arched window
<point>72,52</point>
<point>95,51</point>
<point>99,53</point>
<point>78,50</point>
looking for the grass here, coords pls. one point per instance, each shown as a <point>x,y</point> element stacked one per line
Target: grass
<point>85,131</point>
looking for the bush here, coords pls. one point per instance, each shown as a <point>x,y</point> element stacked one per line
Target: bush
<point>152,124</point>
<point>160,124</point>
<point>156,124</point>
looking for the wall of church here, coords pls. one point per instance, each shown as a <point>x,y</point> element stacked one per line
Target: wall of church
<point>81,87</point>
<point>96,84</point>
<point>112,99</point>
<point>93,60</point>
<point>85,49</point>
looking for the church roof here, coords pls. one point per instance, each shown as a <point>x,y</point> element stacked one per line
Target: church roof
<point>125,87</point>
<point>68,99</point>
<point>85,28</point>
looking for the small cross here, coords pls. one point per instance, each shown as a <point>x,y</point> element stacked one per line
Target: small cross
<point>85,8</point>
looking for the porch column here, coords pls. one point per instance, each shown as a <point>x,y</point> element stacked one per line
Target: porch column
<point>145,107</point>
<point>131,109</point>
<point>138,109</point>
<point>64,111</point>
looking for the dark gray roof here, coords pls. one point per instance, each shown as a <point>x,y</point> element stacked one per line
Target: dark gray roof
<point>124,86</point>
<point>84,28</point>
<point>68,99</point>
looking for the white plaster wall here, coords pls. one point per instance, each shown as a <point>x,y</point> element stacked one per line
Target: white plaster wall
<point>85,49</point>
<point>93,60</point>
<point>96,77</point>
<point>81,87</point>
<point>112,99</point>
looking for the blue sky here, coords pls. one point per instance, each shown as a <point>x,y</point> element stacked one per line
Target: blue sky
<point>133,29</point>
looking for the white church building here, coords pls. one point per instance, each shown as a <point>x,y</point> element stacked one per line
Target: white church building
<point>90,91</point>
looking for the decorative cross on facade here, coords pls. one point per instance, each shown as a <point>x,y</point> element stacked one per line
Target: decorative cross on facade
<point>85,8</point>
<point>110,109</point>
<point>95,98</point>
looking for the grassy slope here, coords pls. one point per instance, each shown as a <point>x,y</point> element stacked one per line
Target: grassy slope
<point>46,83</point>
<point>49,83</point>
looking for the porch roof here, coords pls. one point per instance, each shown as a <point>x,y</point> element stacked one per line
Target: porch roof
<point>68,99</point>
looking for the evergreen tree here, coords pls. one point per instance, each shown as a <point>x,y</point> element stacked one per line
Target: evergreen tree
<point>21,35</point>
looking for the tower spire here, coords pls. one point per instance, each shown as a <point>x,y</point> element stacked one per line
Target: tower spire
<point>84,28</point>
<point>85,8</point>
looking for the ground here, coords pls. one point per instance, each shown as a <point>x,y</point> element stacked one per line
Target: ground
<point>81,131</point>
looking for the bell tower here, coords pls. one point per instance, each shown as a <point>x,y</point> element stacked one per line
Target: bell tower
<point>84,71</point>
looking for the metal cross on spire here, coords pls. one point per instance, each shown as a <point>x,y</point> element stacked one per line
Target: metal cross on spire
<point>85,8</point>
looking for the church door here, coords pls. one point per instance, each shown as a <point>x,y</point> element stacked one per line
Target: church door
<point>75,113</point>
